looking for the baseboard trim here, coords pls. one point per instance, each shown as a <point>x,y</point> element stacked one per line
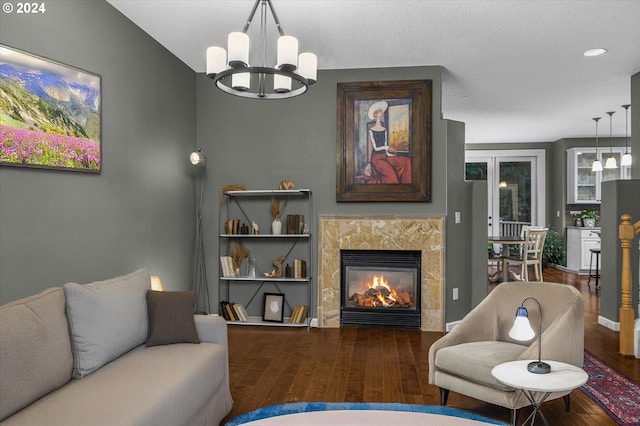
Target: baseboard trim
<point>571,271</point>
<point>611,325</point>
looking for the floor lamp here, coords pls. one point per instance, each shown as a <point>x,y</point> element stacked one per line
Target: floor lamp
<point>199,271</point>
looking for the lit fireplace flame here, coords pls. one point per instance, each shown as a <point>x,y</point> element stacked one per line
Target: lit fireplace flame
<point>384,294</point>
<point>378,293</point>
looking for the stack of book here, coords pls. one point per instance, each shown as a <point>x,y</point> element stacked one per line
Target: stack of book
<point>227,266</point>
<point>233,311</point>
<point>299,314</point>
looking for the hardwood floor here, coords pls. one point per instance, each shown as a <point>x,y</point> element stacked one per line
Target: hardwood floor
<point>270,365</point>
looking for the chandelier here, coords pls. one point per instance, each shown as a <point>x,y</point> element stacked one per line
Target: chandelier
<point>230,70</point>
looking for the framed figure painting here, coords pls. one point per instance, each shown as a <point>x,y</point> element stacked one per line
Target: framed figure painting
<point>51,116</point>
<point>384,141</point>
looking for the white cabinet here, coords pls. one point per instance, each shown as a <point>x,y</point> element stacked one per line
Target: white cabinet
<point>580,241</point>
<point>292,248</point>
<point>583,185</point>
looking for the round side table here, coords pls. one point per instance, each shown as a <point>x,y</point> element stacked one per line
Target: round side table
<point>538,387</point>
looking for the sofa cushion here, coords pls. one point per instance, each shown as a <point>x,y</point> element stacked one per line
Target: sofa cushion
<point>106,319</point>
<point>35,352</point>
<point>162,385</point>
<point>171,317</point>
<point>475,360</point>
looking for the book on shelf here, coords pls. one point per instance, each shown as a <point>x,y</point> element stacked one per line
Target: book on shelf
<point>227,311</point>
<point>294,313</point>
<point>231,312</point>
<point>241,312</point>
<point>299,314</point>
<point>299,268</point>
<point>295,223</point>
<point>223,310</point>
<point>226,262</point>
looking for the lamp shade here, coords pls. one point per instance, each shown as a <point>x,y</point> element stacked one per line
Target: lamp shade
<point>597,166</point>
<point>308,66</point>
<point>521,329</point>
<point>287,52</point>
<point>611,163</point>
<point>241,81</point>
<point>197,157</point>
<point>281,83</point>
<point>626,160</point>
<point>156,284</point>
<point>238,44</point>
<point>216,60</point>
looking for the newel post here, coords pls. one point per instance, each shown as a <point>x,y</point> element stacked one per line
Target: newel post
<point>626,233</point>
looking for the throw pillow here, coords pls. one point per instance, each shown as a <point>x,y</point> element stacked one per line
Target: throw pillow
<point>106,319</point>
<point>171,317</point>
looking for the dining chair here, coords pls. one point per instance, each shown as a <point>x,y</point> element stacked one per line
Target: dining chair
<point>531,253</point>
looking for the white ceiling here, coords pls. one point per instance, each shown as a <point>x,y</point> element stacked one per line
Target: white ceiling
<point>513,71</point>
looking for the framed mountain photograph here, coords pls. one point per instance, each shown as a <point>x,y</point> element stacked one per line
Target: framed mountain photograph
<point>49,114</point>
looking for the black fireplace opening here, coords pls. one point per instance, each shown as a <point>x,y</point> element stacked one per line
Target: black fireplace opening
<point>380,288</point>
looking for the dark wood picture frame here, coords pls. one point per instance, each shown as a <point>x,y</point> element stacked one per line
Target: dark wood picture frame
<point>273,310</point>
<point>404,107</point>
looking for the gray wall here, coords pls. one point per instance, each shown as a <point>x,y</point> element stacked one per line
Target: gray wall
<point>466,242</point>
<point>259,143</point>
<point>58,226</point>
<point>616,201</point>
<point>618,198</point>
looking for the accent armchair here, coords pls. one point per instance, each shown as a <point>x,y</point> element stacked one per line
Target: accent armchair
<point>462,360</point>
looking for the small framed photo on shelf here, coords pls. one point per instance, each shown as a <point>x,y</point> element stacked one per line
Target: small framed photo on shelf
<point>273,307</point>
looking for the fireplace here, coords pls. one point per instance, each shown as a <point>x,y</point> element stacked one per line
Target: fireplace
<point>380,288</point>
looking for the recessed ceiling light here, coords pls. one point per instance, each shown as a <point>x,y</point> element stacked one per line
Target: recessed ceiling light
<point>595,52</point>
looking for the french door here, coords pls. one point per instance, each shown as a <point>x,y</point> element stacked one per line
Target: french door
<point>515,183</point>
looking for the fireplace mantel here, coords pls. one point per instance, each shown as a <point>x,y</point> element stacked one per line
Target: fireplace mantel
<point>381,233</point>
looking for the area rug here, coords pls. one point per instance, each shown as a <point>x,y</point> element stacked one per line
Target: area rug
<point>612,390</point>
<point>369,414</point>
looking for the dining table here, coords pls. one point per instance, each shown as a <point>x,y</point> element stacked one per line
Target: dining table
<point>507,243</point>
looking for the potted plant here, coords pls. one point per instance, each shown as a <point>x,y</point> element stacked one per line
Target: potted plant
<point>589,217</point>
<point>553,252</point>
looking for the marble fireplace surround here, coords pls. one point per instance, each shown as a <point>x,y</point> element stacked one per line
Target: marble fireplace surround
<point>381,233</point>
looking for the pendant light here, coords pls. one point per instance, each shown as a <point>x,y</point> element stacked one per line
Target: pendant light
<point>626,158</point>
<point>611,161</point>
<point>597,165</point>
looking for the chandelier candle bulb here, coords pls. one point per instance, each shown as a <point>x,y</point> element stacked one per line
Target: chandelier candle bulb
<point>287,53</point>
<point>308,66</point>
<point>281,84</point>
<point>241,81</point>
<point>216,60</point>
<point>238,44</point>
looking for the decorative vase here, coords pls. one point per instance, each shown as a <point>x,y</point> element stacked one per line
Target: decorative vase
<point>589,223</point>
<point>276,227</point>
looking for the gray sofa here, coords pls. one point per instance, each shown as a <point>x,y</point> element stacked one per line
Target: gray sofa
<point>80,355</point>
